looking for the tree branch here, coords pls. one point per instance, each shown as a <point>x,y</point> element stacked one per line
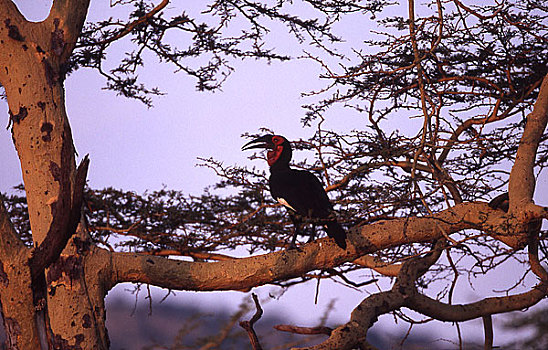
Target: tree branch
<point>532,247</point>
<point>522,180</point>
<point>9,10</point>
<point>353,333</point>
<point>130,26</point>
<point>378,265</point>
<point>488,330</point>
<point>248,325</point>
<point>64,223</point>
<point>303,330</point>
<point>405,294</point>
<point>245,273</point>
<point>493,117</point>
<point>12,25</point>
<point>67,17</point>
<point>488,306</point>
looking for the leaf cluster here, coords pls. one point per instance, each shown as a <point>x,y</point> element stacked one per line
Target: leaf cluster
<point>201,41</point>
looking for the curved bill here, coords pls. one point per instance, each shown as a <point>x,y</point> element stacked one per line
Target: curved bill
<point>261,142</point>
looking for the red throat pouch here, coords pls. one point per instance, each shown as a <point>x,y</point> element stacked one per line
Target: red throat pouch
<point>272,156</point>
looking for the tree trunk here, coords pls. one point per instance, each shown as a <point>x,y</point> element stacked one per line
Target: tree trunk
<point>48,301</point>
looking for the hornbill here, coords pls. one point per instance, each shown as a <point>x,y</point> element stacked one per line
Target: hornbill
<point>298,190</point>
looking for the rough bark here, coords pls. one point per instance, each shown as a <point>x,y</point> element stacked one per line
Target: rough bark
<point>32,59</point>
<point>245,273</point>
<point>522,180</point>
<point>15,289</point>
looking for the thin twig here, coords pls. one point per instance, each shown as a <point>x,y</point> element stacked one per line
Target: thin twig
<point>303,330</point>
<point>248,325</point>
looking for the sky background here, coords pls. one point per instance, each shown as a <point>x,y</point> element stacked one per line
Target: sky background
<point>136,148</point>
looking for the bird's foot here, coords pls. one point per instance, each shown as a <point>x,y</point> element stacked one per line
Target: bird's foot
<point>293,246</point>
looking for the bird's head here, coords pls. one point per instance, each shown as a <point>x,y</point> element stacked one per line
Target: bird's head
<point>279,149</point>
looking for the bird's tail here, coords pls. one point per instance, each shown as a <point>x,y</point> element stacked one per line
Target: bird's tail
<point>335,231</point>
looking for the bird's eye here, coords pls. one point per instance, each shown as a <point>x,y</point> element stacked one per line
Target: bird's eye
<point>277,140</point>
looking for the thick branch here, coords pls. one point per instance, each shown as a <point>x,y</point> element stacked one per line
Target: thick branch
<point>405,294</point>
<point>245,273</point>
<point>488,306</point>
<point>378,265</point>
<point>12,29</point>
<point>64,223</point>
<point>70,16</point>
<point>522,180</point>
<point>532,248</point>
<point>353,333</point>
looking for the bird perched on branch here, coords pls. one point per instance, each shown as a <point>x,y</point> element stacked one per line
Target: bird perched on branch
<point>299,191</point>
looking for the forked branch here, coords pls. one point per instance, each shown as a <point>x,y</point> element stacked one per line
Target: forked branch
<point>64,223</point>
<point>353,333</point>
<point>248,325</point>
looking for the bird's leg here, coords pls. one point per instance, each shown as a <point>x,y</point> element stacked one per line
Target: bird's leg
<point>312,233</point>
<point>293,245</point>
<point>297,230</point>
<point>310,218</point>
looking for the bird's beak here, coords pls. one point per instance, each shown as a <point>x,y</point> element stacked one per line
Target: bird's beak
<point>261,142</point>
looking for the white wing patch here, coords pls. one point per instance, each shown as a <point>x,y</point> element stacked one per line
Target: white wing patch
<point>284,202</point>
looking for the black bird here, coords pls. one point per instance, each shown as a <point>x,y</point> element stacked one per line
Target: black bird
<point>300,191</point>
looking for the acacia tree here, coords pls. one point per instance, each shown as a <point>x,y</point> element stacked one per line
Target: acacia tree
<point>473,76</point>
